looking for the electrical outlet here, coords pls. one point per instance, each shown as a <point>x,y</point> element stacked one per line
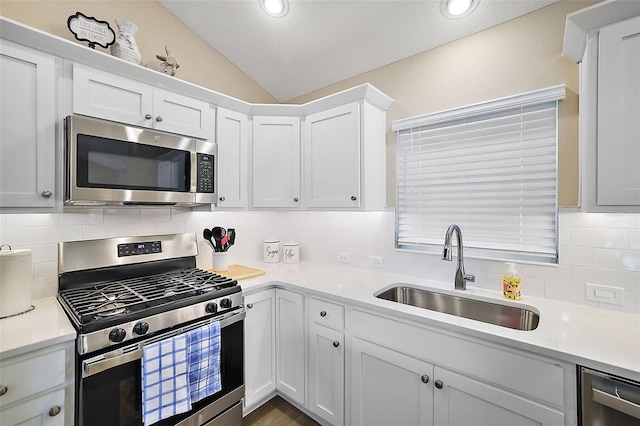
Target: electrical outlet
<point>605,294</point>
<point>376,261</point>
<point>344,257</point>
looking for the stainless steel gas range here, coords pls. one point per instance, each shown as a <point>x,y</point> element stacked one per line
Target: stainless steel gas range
<point>128,297</point>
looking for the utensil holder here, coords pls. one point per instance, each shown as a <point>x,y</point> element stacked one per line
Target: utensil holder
<point>220,261</point>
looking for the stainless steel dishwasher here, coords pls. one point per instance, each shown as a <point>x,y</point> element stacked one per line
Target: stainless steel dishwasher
<point>608,400</point>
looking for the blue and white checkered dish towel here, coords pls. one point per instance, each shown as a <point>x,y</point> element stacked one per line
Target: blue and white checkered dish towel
<point>203,352</point>
<point>165,384</point>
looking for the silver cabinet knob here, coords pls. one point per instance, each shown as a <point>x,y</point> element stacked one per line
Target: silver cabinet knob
<point>222,198</point>
<point>158,119</point>
<point>295,199</point>
<point>439,384</point>
<point>249,305</point>
<point>353,198</point>
<point>148,116</point>
<point>336,343</point>
<point>425,378</point>
<point>46,194</point>
<point>3,390</point>
<point>55,410</point>
<point>323,314</point>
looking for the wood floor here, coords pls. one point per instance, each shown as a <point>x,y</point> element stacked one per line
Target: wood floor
<point>277,412</point>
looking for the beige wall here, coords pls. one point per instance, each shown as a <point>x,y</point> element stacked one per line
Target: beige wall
<point>199,63</point>
<point>518,56</point>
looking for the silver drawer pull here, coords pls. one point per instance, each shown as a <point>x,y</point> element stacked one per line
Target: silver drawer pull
<point>249,305</point>
<point>323,314</point>
<point>617,403</point>
<point>3,390</point>
<point>336,343</point>
<point>55,410</point>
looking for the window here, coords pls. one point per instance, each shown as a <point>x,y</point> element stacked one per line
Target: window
<point>490,168</point>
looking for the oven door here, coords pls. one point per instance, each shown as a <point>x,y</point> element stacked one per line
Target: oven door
<point>109,390</point>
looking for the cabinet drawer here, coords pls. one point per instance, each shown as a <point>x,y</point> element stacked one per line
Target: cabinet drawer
<point>24,376</point>
<point>46,410</point>
<point>326,313</point>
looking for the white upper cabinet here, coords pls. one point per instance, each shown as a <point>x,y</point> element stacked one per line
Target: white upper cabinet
<point>28,82</point>
<point>344,158</point>
<point>331,152</point>
<point>105,95</point>
<point>618,138</point>
<point>605,39</point>
<point>233,137</point>
<point>276,162</point>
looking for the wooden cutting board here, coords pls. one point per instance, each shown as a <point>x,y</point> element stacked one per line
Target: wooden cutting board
<point>239,272</point>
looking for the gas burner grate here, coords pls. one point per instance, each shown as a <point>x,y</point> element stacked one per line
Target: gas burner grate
<point>112,298</point>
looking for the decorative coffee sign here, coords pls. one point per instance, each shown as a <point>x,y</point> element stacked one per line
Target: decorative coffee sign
<point>88,28</point>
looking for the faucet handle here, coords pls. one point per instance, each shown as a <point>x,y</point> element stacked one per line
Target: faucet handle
<point>469,277</point>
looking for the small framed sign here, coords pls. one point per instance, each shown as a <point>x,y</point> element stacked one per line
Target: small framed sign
<point>92,30</point>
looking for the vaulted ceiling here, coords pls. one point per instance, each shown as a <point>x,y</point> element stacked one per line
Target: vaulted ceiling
<point>321,42</point>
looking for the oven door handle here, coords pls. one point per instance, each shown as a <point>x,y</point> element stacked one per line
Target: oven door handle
<point>118,357</point>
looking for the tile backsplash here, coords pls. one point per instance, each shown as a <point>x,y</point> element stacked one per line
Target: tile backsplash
<point>595,248</point>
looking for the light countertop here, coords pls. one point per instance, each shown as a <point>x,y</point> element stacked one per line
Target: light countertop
<point>44,326</point>
<point>598,338</point>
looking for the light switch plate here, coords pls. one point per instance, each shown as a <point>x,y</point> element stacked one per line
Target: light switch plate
<point>605,294</point>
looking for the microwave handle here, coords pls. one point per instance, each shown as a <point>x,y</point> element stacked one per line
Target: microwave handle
<point>106,361</point>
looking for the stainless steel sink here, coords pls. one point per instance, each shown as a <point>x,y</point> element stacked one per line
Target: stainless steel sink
<point>519,318</point>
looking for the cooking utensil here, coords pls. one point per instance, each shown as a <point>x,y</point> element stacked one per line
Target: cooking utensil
<point>232,236</point>
<point>217,233</point>
<point>207,236</point>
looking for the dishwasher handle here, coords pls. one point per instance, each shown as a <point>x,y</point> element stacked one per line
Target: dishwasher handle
<point>616,403</point>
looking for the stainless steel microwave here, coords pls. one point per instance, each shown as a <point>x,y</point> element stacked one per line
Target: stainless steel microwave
<point>108,163</point>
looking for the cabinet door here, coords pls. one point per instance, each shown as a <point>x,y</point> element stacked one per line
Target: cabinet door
<point>27,127</point>
<point>276,162</point>
<point>618,143</point>
<point>180,114</point>
<point>45,410</point>
<point>465,401</point>
<point>259,350</point>
<point>331,152</point>
<point>233,155</point>
<point>101,94</point>
<point>326,373</point>
<point>388,387</point>
<point>290,344</point>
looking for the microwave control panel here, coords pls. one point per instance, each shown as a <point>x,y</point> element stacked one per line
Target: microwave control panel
<point>205,173</point>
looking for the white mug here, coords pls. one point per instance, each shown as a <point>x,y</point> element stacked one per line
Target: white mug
<point>291,252</point>
<point>271,251</point>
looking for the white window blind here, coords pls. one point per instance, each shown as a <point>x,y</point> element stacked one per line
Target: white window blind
<point>490,168</point>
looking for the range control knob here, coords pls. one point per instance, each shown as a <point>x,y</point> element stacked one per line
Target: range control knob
<point>141,328</point>
<point>211,307</point>
<point>117,335</point>
<point>225,303</point>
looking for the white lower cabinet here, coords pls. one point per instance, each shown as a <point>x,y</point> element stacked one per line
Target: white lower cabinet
<point>259,348</point>
<point>433,378</point>
<point>461,400</point>
<point>45,400</point>
<point>389,387</point>
<point>326,373</point>
<point>290,345</point>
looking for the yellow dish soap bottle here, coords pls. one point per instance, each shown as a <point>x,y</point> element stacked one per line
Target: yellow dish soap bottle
<point>511,283</point>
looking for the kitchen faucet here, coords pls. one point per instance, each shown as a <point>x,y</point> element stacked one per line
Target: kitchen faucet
<point>461,277</point>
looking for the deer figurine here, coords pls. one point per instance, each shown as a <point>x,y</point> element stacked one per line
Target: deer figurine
<point>164,64</point>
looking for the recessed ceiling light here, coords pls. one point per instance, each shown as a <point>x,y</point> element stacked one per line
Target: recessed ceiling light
<point>457,8</point>
<point>276,8</point>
